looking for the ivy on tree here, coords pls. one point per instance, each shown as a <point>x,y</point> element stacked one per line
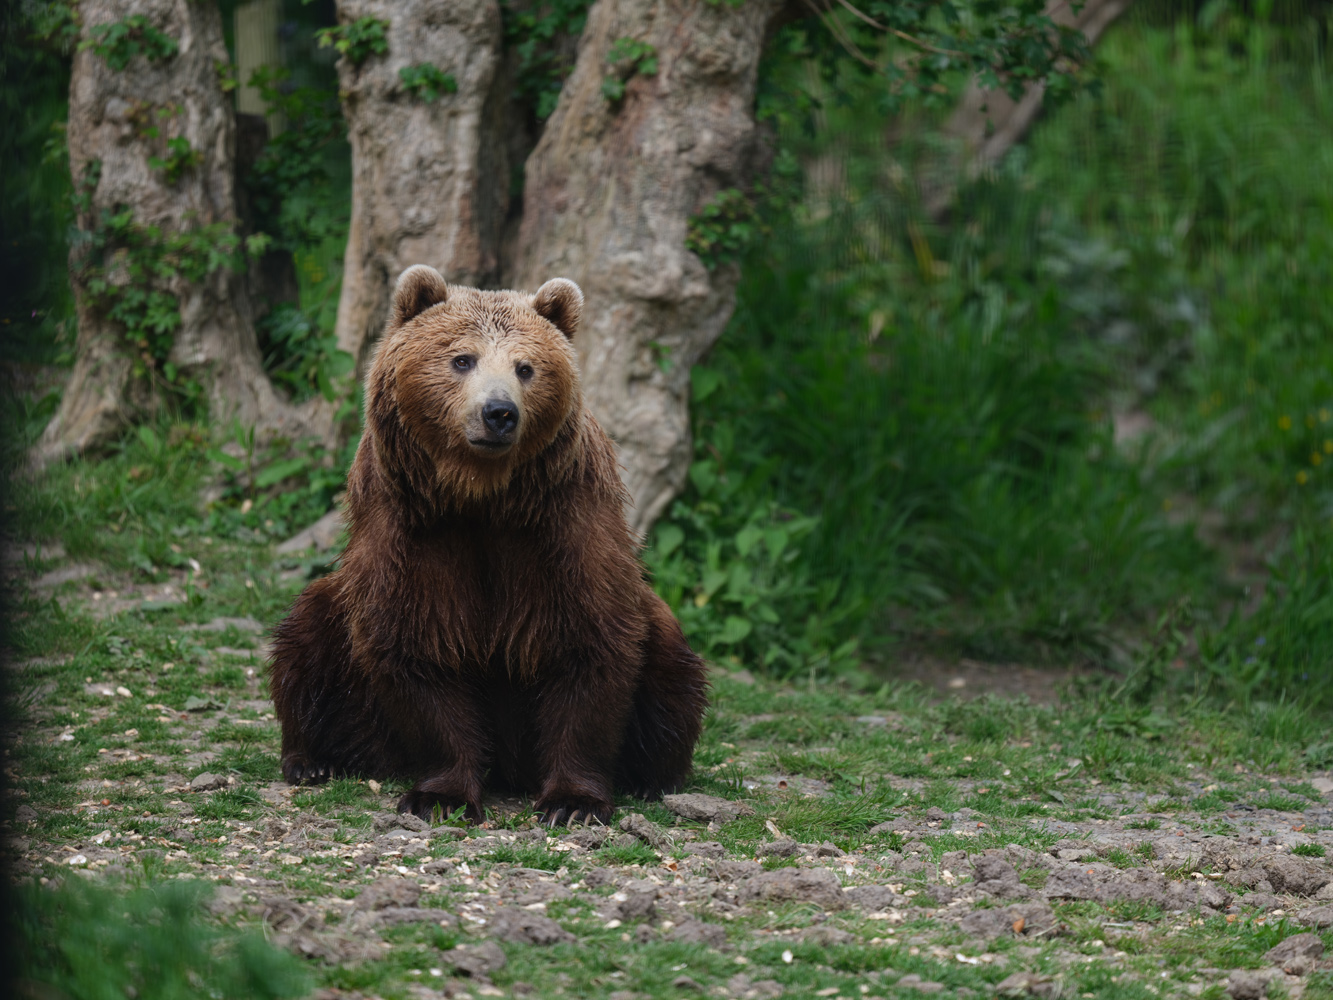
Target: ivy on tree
<point>541,36</point>
<point>179,159</point>
<point>626,58</point>
<point>426,82</point>
<point>358,40</point>
<point>120,41</point>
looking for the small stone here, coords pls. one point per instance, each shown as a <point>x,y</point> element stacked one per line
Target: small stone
<point>206,782</point>
<point>1319,918</point>
<point>388,892</point>
<point>691,931</point>
<point>686,983</point>
<point>526,927</point>
<point>784,847</point>
<point>706,808</point>
<point>590,837</point>
<point>706,849</point>
<point>1243,984</point>
<point>638,902</point>
<point>828,849</point>
<point>642,828</point>
<point>476,959</point>
<point>806,885</point>
<point>1297,955</point>
<point>1324,786</point>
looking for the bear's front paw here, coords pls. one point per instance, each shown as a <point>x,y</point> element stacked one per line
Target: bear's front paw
<point>298,769</point>
<point>423,802</point>
<point>559,811</point>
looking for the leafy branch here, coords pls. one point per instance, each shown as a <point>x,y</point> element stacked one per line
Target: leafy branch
<point>918,46</point>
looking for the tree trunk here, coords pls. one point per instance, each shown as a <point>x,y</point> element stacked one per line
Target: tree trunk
<point>111,117</point>
<point>608,194</point>
<point>988,123</point>
<point>429,179</point>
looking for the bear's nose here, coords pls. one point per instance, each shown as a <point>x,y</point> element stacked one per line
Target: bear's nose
<point>500,416</point>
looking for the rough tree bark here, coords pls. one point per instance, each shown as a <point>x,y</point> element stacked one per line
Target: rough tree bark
<point>988,123</point>
<point>608,194</point>
<point>430,183</point>
<point>109,115</point>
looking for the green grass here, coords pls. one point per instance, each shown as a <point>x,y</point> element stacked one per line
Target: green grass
<point>82,941</point>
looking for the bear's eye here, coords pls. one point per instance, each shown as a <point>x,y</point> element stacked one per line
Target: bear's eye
<point>525,372</point>
<point>464,363</point>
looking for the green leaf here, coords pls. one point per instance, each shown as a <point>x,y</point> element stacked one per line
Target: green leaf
<point>196,704</point>
<point>669,538</point>
<point>747,538</point>
<point>734,629</point>
<point>150,440</point>
<point>230,461</point>
<point>704,381</point>
<point>279,471</point>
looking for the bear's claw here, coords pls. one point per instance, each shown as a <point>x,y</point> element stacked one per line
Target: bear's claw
<point>568,813</point>
<point>298,770</point>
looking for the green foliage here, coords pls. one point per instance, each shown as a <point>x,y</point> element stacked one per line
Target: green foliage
<point>627,58</point>
<point>271,492</point>
<point>293,188</point>
<point>299,355</point>
<point>180,158</point>
<point>131,272</point>
<point>357,40</point>
<point>544,37</point>
<point>724,228</point>
<point>36,305</point>
<point>291,178</point>
<point>729,565</point>
<point>1309,850</point>
<point>426,82</point>
<point>87,943</point>
<point>120,41</point>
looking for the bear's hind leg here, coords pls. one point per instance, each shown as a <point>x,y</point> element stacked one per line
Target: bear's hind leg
<point>658,751</point>
<point>324,708</point>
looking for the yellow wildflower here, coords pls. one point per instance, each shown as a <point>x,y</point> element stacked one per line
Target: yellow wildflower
<point>1284,423</point>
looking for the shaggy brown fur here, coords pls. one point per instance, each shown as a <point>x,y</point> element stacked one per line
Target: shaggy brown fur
<point>489,623</point>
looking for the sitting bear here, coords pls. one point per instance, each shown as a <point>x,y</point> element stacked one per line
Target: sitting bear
<point>489,624</point>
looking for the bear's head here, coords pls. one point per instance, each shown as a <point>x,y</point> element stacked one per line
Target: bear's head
<point>467,386</point>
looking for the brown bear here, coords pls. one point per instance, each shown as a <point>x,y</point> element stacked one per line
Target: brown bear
<point>489,624</point>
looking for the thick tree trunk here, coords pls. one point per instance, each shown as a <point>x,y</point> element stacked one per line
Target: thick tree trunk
<point>608,194</point>
<point>988,123</point>
<point>429,179</point>
<point>110,116</point>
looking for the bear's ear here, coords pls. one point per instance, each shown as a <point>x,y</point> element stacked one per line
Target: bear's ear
<point>561,302</point>
<point>419,288</point>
